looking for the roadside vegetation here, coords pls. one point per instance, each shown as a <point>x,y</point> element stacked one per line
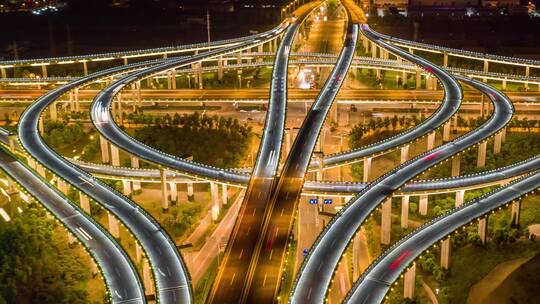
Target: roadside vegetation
<point>38,266</point>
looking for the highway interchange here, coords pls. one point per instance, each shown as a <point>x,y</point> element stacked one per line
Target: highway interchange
<point>273,191</point>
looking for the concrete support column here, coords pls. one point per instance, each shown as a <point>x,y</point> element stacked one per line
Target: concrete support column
<point>174,193</point>
<point>224,194</point>
<point>504,84</point>
<point>138,252</point>
<point>405,211</point>
<point>431,140</point>
<point>445,253</point>
<point>85,68</point>
<point>446,132</point>
<point>334,113</point>
<point>456,162</point>
<point>239,58</point>
<point>104,149</point>
<point>527,71</point>
<point>503,135</point>
<point>62,186</point>
<point>85,203</point>
<point>126,185</point>
<point>404,155</point>
<point>3,72</point>
<point>164,194</point>
<point>53,111</point>
<point>445,59</point>
<point>220,68</point>
<point>239,75</point>
<point>115,155</point>
<point>482,229</point>
<point>497,143</point>
<point>486,68</point>
<point>516,210</point>
<point>169,80</point>
<point>418,79</point>
<point>287,141</point>
<point>386,221</point>
<point>190,191</point>
<point>147,278</point>
<point>409,283</point>
<point>423,208</point>
<point>481,161</point>
<point>367,169</point>
<point>215,200</point>
<point>44,71</point>
<point>114,229</point>
<point>135,164</point>
<point>373,50</point>
<point>40,170</point>
<point>460,196</point>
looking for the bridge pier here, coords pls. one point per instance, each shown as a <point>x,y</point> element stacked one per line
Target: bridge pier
<point>62,186</point>
<point>224,194</point>
<point>386,221</point>
<point>220,68</point>
<point>215,200</point>
<point>516,211</point>
<point>174,193</point>
<point>446,131</point>
<point>85,203</point>
<point>287,141</point>
<point>367,169</point>
<point>418,78</point>
<point>190,192</point>
<point>104,145</point>
<point>527,72</point>
<point>138,252</point>
<point>40,170</point>
<point>456,164</point>
<point>114,229</point>
<point>486,68</point>
<point>164,194</point>
<point>373,50</point>
<point>431,141</point>
<point>3,72</point>
<point>409,282</point>
<point>135,164</point>
<point>481,161</point>
<point>423,208</point>
<point>404,154</point>
<point>85,68</point>
<point>445,59</point>
<point>126,185</point>
<point>405,211</point>
<point>53,111</point>
<point>460,196</point>
<point>483,229</point>
<point>504,84</point>
<point>445,253</point>
<point>497,143</point>
<point>115,155</point>
<point>44,71</point>
<point>147,278</point>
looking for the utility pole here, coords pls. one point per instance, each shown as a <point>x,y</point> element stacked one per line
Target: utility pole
<point>208,24</point>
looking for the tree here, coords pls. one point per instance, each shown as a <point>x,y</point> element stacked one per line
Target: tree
<point>37,267</point>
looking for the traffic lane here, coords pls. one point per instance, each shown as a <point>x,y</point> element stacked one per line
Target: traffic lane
<point>121,276</point>
<point>293,94</point>
<point>387,269</point>
<point>160,249</point>
<point>267,273</point>
<point>248,226</point>
<point>318,267</point>
<point>345,225</point>
<point>229,283</point>
<point>267,269</point>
